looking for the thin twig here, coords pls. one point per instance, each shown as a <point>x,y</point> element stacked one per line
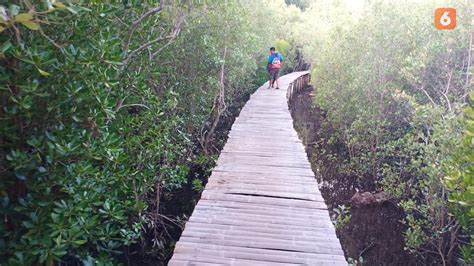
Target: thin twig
<point>137,22</point>
<point>468,72</point>
<point>153,56</point>
<point>365,249</point>
<point>143,47</point>
<point>446,92</point>
<point>49,39</point>
<point>133,104</point>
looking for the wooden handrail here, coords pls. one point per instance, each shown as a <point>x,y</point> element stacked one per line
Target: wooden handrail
<point>297,85</point>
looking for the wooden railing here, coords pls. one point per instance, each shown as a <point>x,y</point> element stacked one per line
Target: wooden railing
<point>297,85</point>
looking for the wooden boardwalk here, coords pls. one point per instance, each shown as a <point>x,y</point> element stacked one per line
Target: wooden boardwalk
<point>262,205</point>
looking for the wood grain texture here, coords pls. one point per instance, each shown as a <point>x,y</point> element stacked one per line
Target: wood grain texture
<point>262,205</point>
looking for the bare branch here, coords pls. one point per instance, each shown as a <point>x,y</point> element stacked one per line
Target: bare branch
<point>49,39</point>
<point>143,47</point>
<point>153,56</point>
<point>137,22</point>
<point>133,104</point>
<point>422,88</point>
<point>174,33</point>
<point>446,91</point>
<point>468,62</point>
<point>219,104</point>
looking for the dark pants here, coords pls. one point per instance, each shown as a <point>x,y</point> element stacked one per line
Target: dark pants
<point>274,73</point>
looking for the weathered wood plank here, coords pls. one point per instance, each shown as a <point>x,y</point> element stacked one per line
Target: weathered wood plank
<point>284,253</point>
<point>320,236</point>
<point>209,215</point>
<point>266,244</point>
<point>250,229</point>
<point>263,256</point>
<point>284,214</point>
<point>320,243</point>
<point>259,207</point>
<point>215,183</point>
<point>211,195</point>
<point>267,193</point>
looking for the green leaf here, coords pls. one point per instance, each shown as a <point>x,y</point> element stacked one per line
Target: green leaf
<point>80,242</point>
<point>50,136</point>
<point>14,9</point>
<point>55,217</point>
<point>23,17</point>
<point>31,25</point>
<point>59,5</point>
<point>27,224</point>
<point>41,169</point>
<point>20,175</point>
<point>72,10</point>
<point>6,46</point>
<point>42,72</point>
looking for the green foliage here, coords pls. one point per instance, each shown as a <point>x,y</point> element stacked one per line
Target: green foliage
<point>282,46</point>
<point>392,87</point>
<point>197,184</point>
<point>342,216</point>
<point>73,186</point>
<point>355,262</point>
<point>459,179</point>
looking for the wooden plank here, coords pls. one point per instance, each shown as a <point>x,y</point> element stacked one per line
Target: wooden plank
<point>283,214</point>
<point>296,232</point>
<point>241,253</point>
<point>264,200</point>
<point>215,183</point>
<point>212,214</point>
<point>270,177</point>
<point>266,244</point>
<point>259,207</point>
<point>267,193</point>
<point>276,177</point>
<point>201,218</point>
<point>178,262</point>
<point>211,260</point>
<point>318,236</point>
<point>289,172</point>
<point>264,154</point>
<point>244,237</point>
<point>323,257</point>
<point>269,161</point>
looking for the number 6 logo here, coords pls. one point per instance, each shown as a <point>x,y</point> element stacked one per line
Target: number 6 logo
<point>445,18</point>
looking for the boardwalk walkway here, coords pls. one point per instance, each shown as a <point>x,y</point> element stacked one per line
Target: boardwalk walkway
<point>262,205</point>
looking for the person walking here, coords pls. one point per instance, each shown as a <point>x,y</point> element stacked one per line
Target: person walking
<point>274,65</point>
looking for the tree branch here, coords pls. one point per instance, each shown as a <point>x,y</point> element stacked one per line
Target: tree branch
<point>446,91</point>
<point>137,22</point>
<point>219,105</point>
<point>143,47</point>
<point>468,62</point>
<point>173,34</point>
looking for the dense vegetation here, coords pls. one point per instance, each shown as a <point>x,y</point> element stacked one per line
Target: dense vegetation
<point>108,107</point>
<point>394,89</point>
